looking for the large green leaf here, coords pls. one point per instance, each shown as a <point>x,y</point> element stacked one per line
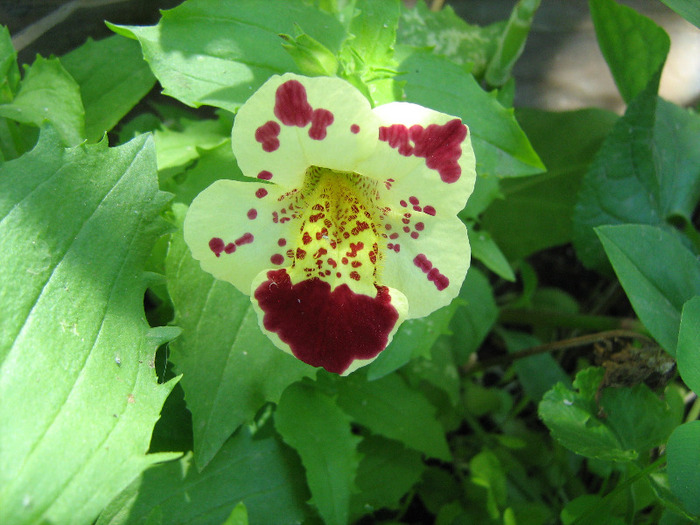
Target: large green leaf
<point>500,146</point>
<point>688,352</point>
<point>535,212</point>
<point>389,407</point>
<point>78,392</point>
<point>230,368</point>
<point>658,274</point>
<point>108,92</point>
<point>311,423</point>
<point>217,53</point>
<point>48,92</point>
<point>683,452</point>
<point>634,47</point>
<point>646,172</point>
<point>261,473</point>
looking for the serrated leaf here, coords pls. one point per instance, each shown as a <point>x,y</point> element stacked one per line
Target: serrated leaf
<point>76,354</point>
<point>310,422</point>
<point>634,47</point>
<point>390,408</point>
<point>683,468</point>
<point>658,274</point>
<point>48,93</point>
<point>108,92</point>
<point>535,212</point>
<point>230,368</point>
<point>219,53</point>
<point>646,172</point>
<point>500,146</point>
<point>688,352</point>
<point>261,473</point>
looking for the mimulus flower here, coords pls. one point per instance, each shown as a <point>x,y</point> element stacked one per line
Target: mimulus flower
<point>351,225</point>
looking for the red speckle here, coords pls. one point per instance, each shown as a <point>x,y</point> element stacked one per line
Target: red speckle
<point>300,253</point>
<point>216,245</point>
<point>354,248</point>
<point>277,259</point>
<point>417,208</point>
<point>252,213</point>
<point>230,248</point>
<point>354,276</point>
<point>265,175</point>
<point>439,145</point>
<point>306,238</point>
<point>394,236</point>
<point>344,260</point>
<point>326,328</point>
<point>413,200</point>
<point>406,229</point>
<point>355,129</point>
<point>414,235</point>
<point>440,281</point>
<point>246,238</point>
<point>320,120</point>
<point>429,210</point>
<point>422,262</point>
<point>332,263</point>
<point>403,203</point>
<point>355,264</point>
<point>291,106</point>
<point>420,226</point>
<point>267,136</point>
<point>387,226</point>
<point>283,242</point>
<point>261,193</point>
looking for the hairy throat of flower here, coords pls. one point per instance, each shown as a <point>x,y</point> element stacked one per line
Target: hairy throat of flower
<point>338,238</point>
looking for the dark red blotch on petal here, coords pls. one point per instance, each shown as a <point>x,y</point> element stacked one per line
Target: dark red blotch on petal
<point>291,106</point>
<point>322,327</point>
<point>267,136</point>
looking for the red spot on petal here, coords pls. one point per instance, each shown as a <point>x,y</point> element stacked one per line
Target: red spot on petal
<point>354,276</point>
<point>261,193</point>
<point>355,129</point>
<point>422,262</point>
<point>397,137</point>
<point>429,210</point>
<point>413,200</point>
<point>306,238</point>
<point>406,229</point>
<point>291,106</point>
<point>300,253</point>
<point>417,208</point>
<point>282,242</point>
<point>216,245</point>
<point>420,226</point>
<point>267,136</point>
<point>246,238</point>
<point>265,175</point>
<point>414,235</point>
<point>326,328</point>
<point>403,203</point>
<point>394,236</point>
<point>252,213</point>
<point>230,248</point>
<point>320,120</point>
<point>440,281</point>
<point>277,258</point>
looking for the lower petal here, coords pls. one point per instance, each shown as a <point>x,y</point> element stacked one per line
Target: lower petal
<point>338,330</point>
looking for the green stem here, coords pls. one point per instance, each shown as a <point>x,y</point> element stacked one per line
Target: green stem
<point>552,319</point>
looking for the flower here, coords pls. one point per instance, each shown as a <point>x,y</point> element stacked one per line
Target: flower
<point>351,226</point>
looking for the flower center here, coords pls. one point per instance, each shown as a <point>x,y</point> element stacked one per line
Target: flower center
<point>338,238</point>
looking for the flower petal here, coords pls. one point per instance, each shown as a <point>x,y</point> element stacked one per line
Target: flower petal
<point>422,156</point>
<point>338,330</point>
<point>426,258</point>
<point>293,122</point>
<point>236,228</point>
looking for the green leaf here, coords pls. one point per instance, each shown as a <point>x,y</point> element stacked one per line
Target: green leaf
<point>485,249</point>
<point>634,47</point>
<point>219,53</point>
<point>688,352</point>
<point>535,212</point>
<point>625,424</point>
<point>589,509</point>
<point>48,93</point>
<point>261,473</point>
<point>390,408</point>
<point>500,146</point>
<point>448,35</point>
<point>179,147</point>
<point>238,516</point>
<point>683,452</point>
<point>9,72</point>
<point>78,393</point>
<point>511,42</point>
<point>487,472</point>
<point>646,172</point>
<point>230,368</point>
<point>658,274</point>
<point>311,423</point>
<point>688,9</point>
<point>475,317</point>
<point>108,92</point>
<point>387,471</point>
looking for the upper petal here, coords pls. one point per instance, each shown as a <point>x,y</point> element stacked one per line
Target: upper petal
<point>293,122</point>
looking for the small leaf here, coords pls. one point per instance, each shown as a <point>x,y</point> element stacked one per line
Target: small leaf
<point>48,93</point>
<point>9,72</point>
<point>76,228</point>
<point>108,93</point>
<point>390,408</point>
<point>683,452</point>
<point>485,249</point>
<point>688,352</point>
<point>258,477</point>
<point>641,255</point>
<point>634,47</point>
<point>311,423</point>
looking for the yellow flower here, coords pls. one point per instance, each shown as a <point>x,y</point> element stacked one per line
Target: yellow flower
<point>351,226</point>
